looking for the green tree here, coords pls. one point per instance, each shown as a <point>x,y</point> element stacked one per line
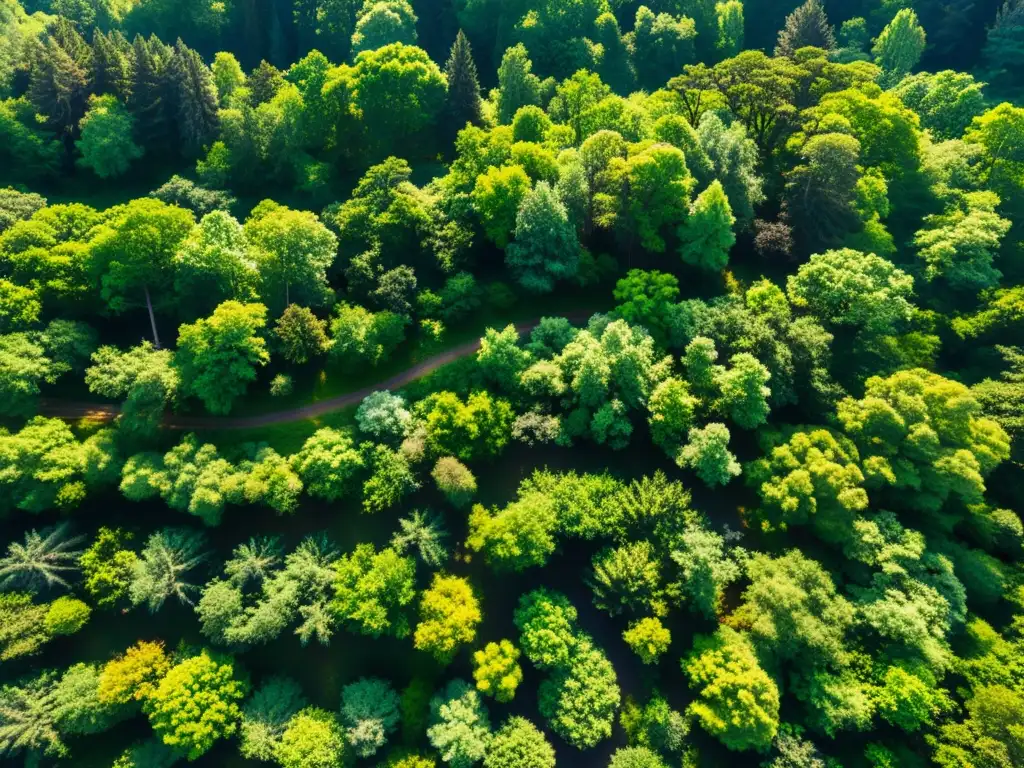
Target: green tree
<point>1004,51</point>
<point>580,701</point>
<point>898,49</point>
<point>738,703</point>
<point>373,589</point>
<point>195,98</point>
<point>384,22</point>
<point>953,446</point>
<point>460,728</point>
<point>821,191</point>
<point>65,616</point>
<point>424,533</point>
<point>644,297</point>
<point>361,337</point>
<point>391,478</point>
<point>133,253</point>
<point>648,638</point>
<point>636,757</point>
<point>163,565</point>
<point>454,480</point>
<point>42,562</point>
<point>329,464</point>
<point>727,154</point>
<point>519,744</point>
<point>369,711</point>
<point>628,577</point>
<point>266,716</point>
<point>217,356</point>
<point>497,197</point>
<point>706,569</point>
<point>661,45</point>
<point>106,143</point>
<point>743,396</point>
<point>730,27</point>
<point>807,25</point>
<point>312,738</point>
<point>707,453</point>
<point>545,248</point>
<point>22,631</point>
<point>707,235</point>
<point>449,615</point>
<point>215,263</point>
<point>301,334</point>
<point>547,624</point>
<point>143,376</point>
<point>847,287</point>
<point>479,427</point>
<point>810,478</point>
<point>293,251</point>
<point>228,76</point>
<point>398,91</point>
<point>672,409</point>
<point>945,101</point>
<point>463,103</point>
<point>496,670</point>
<point>107,567</point>
<point>520,536</point>
<point>517,85</point>
<point>196,704</point>
<point>500,358</point>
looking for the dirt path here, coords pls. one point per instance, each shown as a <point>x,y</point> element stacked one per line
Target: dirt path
<point>65,409</point>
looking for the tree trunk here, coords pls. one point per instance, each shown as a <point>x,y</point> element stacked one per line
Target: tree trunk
<point>152,317</point>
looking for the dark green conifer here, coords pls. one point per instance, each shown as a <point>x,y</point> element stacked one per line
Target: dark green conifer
<point>463,102</point>
<point>111,65</point>
<point>195,99</point>
<point>807,25</point>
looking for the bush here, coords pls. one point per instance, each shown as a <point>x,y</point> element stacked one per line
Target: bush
<point>454,480</point>
<point>281,385</point>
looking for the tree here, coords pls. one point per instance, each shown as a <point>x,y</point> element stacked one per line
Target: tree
<point>228,76</point>
<point>134,252</point>
<point>792,611</point>
<point>22,631</point>
<point>143,376</point>
<point>643,297</point>
<point>1004,51</point>
<point>424,533</point>
<point>730,27</point>
<point>383,22</point>
<point>479,427</point>
<point>546,621</point>
<point>707,453</point>
<point>821,191</point>
<point>707,235</point>
<point>463,103</point>
<point>215,263</point>
<point>628,577</point>
<point>59,81</point>
<point>42,562</point>
<point>807,25</point>
<point>196,703</point>
<point>169,555</point>
<point>732,157</point>
<point>399,92</point>
<point>460,729</point>
<point>648,639</point>
<point>661,45</point>
<point>217,356</point>
<point>580,701</point>
<point>312,738</point>
<point>519,744</point>
<point>106,143</point>
<point>23,366</point>
<point>150,98</point>
<point>111,64</point>
<point>743,395</point>
<point>496,670</point>
<point>361,337</point>
<point>454,480</point>
<point>636,757</point>
<point>545,248</point>
<point>810,477</point>
<point>517,85</point>
<point>369,711</point>
<point>706,568</point>
<point>497,197</point>
<point>391,478</point>
<point>135,675</point>
<point>301,334</point>
<point>500,358</point>
<point>267,715</point>
<point>195,98</point>
<point>954,447</point>
<point>293,251</point>
<point>847,287</point>
<point>910,699</point>
<point>29,714</point>
<point>961,244</point>
<point>194,197</point>
<point>947,102</point>
<point>373,589</point>
<point>520,536</point>
<point>898,49</point>
<point>449,614</point>
<point>65,616</point>
<point>738,703</point>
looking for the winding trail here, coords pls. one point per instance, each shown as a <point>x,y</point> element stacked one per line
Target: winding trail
<point>104,412</point>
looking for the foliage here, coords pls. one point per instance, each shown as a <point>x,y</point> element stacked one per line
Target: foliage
<point>460,729</point>
<point>372,590</point>
<point>312,738</point>
<point>449,614</point>
<point>496,670</point>
<point>519,744</point>
<point>42,562</point>
<point>648,638</point>
<point>369,711</point>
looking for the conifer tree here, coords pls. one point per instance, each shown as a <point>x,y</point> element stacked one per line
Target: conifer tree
<point>59,85</point>
<point>264,82</point>
<point>1004,49</point>
<point>195,97</point>
<point>707,236</point>
<point>149,101</point>
<point>111,64</point>
<point>898,49</point>
<point>807,25</point>
<point>463,100</point>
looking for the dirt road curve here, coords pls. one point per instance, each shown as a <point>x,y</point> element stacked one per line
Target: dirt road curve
<point>69,410</point>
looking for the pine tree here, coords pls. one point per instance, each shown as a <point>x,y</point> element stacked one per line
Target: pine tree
<point>58,89</point>
<point>1004,50</point>
<point>67,37</point>
<point>111,66</point>
<point>463,101</point>
<point>807,25</point>
<point>707,236</point>
<point>195,97</point>
<point>149,98</point>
